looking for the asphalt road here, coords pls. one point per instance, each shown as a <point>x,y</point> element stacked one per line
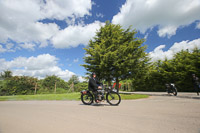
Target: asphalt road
<point>157,114</point>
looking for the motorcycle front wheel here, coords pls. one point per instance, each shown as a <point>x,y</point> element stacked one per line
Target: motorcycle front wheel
<point>113,98</point>
<point>87,99</point>
<point>174,91</point>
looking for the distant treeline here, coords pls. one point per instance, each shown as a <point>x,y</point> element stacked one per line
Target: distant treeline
<point>178,70</point>
<point>24,85</point>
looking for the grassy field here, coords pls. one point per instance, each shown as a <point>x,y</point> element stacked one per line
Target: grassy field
<point>69,96</point>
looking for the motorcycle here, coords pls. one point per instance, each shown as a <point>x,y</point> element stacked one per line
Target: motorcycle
<point>106,93</point>
<point>171,89</point>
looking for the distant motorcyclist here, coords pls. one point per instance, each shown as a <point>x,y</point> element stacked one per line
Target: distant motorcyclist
<point>171,88</point>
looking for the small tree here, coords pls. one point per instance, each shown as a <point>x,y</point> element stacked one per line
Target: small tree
<point>20,85</point>
<point>6,74</point>
<point>73,81</point>
<point>52,82</point>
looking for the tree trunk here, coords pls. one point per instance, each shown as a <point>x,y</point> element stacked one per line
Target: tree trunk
<point>117,84</point>
<point>109,83</point>
<point>55,88</point>
<point>35,88</point>
<point>72,86</point>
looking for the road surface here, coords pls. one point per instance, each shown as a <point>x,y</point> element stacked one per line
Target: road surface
<point>157,114</point>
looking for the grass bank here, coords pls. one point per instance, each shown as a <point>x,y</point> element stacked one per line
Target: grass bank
<point>69,96</point>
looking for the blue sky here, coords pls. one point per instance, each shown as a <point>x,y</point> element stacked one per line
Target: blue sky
<point>47,37</point>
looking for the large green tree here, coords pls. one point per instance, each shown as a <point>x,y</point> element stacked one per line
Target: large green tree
<point>115,53</point>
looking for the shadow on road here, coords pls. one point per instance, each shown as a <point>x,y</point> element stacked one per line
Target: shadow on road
<point>96,104</point>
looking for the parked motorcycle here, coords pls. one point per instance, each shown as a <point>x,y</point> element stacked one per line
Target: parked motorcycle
<point>171,89</point>
<point>106,93</point>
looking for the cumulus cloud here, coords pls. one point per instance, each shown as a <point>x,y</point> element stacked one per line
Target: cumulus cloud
<point>39,67</point>
<point>81,79</point>
<point>167,15</point>
<point>99,15</point>
<point>29,46</point>
<point>2,49</point>
<point>61,9</point>
<point>167,31</point>
<point>72,36</point>
<point>9,45</point>
<point>16,18</point>
<point>21,21</point>
<point>75,60</point>
<point>7,48</point>
<point>159,54</point>
<point>198,25</point>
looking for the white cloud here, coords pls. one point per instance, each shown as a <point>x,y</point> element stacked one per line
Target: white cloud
<point>39,67</point>
<point>159,54</point>
<point>146,36</point>
<point>20,20</point>
<point>167,31</point>
<point>168,15</point>
<point>15,16</point>
<point>9,45</point>
<point>8,48</point>
<point>28,46</point>
<point>61,9</point>
<point>81,79</point>
<point>198,25</point>
<point>75,60</point>
<point>2,50</point>
<point>99,15</point>
<point>73,36</point>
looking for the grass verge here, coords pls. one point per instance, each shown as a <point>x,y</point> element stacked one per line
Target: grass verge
<point>69,96</point>
<point>132,96</point>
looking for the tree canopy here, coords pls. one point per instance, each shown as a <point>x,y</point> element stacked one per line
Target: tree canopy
<point>115,53</point>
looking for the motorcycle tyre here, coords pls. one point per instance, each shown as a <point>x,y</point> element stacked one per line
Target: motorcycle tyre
<point>111,102</point>
<point>174,91</point>
<point>87,103</point>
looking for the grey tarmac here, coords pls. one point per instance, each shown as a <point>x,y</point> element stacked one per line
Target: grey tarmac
<point>156,114</point>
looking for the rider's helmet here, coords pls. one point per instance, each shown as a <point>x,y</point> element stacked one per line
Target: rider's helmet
<point>93,74</point>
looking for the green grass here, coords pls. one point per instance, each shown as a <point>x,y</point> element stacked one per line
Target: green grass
<point>132,96</point>
<point>69,96</point>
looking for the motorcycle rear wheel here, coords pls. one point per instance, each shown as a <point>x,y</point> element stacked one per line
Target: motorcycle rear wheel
<point>113,98</point>
<point>87,99</point>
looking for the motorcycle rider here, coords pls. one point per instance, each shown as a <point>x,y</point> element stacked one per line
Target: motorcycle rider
<point>94,85</point>
<point>168,87</point>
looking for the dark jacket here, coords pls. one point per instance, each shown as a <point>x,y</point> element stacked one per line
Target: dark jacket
<point>93,84</point>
